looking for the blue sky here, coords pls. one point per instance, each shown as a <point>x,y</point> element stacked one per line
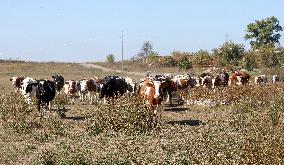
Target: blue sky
<point>88,30</point>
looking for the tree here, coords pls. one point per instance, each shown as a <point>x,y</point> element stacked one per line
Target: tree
<point>249,61</point>
<point>110,58</point>
<point>269,56</point>
<point>264,32</point>
<point>228,54</point>
<point>153,57</point>
<point>185,63</point>
<point>147,48</point>
<point>202,58</point>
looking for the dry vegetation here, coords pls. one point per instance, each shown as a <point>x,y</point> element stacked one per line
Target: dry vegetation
<point>246,130</point>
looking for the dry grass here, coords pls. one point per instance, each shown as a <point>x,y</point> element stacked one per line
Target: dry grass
<point>242,132</point>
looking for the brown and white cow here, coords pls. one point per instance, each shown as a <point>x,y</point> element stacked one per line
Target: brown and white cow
<point>260,79</point>
<point>91,88</point>
<point>16,82</point>
<point>151,93</point>
<point>70,89</point>
<point>239,78</point>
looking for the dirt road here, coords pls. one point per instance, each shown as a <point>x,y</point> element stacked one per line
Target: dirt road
<point>104,69</point>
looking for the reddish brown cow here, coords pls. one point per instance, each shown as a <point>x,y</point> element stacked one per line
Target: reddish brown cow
<point>150,91</point>
<point>91,88</point>
<point>70,89</point>
<point>239,78</point>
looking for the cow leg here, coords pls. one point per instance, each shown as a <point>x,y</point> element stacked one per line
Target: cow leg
<point>49,105</point>
<point>38,105</point>
<point>169,98</point>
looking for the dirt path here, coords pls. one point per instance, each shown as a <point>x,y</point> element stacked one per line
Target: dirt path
<point>104,69</point>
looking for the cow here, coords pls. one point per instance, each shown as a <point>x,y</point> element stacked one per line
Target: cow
<point>206,80</point>
<point>132,86</point>
<point>89,87</point>
<point>260,79</point>
<point>29,88</point>
<point>239,78</point>
<point>151,94</point>
<point>275,79</point>
<point>194,82</point>
<point>16,82</point>
<point>59,82</point>
<point>112,86</point>
<point>70,89</point>
<point>221,79</point>
<point>45,93</point>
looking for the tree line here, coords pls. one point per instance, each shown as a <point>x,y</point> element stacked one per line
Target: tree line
<point>265,51</point>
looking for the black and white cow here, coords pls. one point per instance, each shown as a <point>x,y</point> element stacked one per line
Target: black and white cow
<point>275,78</point>
<point>113,86</point>
<point>221,79</point>
<point>28,88</point>
<point>45,93</point>
<point>59,82</point>
<point>132,86</point>
<point>260,79</point>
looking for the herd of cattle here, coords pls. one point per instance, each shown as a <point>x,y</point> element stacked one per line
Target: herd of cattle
<point>153,89</point>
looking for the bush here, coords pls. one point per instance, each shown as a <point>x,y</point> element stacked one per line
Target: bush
<point>128,115</point>
<point>185,64</point>
<point>110,58</point>
<point>18,116</point>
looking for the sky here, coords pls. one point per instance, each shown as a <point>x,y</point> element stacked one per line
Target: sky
<point>89,30</point>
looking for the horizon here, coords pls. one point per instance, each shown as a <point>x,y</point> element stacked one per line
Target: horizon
<point>71,31</point>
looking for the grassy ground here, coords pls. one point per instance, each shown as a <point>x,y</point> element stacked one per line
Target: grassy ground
<point>249,130</point>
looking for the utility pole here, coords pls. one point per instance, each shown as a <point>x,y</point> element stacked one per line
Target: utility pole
<point>122,51</point>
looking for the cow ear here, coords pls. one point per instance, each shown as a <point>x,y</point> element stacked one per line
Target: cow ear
<point>11,79</point>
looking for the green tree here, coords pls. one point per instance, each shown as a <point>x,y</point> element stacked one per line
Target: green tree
<point>110,58</point>
<point>201,58</point>
<point>153,57</point>
<point>185,63</point>
<point>178,56</point>
<point>169,62</point>
<point>249,61</point>
<point>264,32</point>
<point>228,54</point>
<point>269,56</point>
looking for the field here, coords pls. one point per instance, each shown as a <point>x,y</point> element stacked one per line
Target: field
<point>246,129</point>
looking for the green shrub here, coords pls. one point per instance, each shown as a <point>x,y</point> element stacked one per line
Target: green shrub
<point>129,115</point>
<point>185,64</point>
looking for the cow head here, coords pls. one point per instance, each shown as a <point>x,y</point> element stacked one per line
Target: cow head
<point>153,89</point>
<point>83,85</point>
<point>71,87</point>
<point>239,80</point>
<point>157,86</point>
<point>131,85</point>
<point>13,79</point>
<point>28,85</point>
